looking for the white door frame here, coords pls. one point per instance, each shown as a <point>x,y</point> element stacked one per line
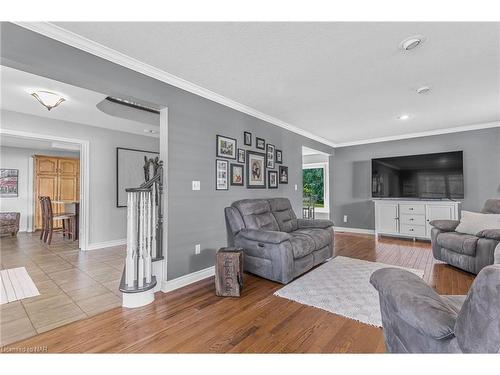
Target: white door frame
<point>84,176</point>
<point>164,158</point>
<point>325,165</point>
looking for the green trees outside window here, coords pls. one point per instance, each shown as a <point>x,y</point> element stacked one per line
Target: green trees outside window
<point>314,185</point>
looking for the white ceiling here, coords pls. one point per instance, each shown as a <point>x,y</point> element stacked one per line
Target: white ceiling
<point>346,82</point>
<point>80,107</point>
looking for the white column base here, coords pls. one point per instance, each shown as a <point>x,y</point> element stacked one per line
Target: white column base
<point>132,300</point>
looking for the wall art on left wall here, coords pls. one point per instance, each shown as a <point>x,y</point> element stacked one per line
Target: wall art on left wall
<point>9,182</point>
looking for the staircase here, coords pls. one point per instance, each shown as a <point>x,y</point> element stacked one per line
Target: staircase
<point>144,237</point>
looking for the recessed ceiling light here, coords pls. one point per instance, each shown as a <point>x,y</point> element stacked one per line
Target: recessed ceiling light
<point>412,42</point>
<point>48,99</point>
<point>423,90</point>
<point>150,131</point>
<point>403,117</point>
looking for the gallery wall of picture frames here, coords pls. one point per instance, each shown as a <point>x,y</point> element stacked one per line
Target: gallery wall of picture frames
<point>252,168</point>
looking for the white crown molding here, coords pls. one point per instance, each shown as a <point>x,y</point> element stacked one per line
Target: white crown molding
<point>427,133</point>
<point>67,37</point>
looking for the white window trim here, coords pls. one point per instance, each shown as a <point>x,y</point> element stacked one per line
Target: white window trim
<point>326,187</point>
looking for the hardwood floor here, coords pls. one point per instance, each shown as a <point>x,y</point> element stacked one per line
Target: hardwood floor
<point>194,320</point>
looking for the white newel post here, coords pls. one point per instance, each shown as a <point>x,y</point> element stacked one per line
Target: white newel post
<point>147,254</point>
<point>140,273</point>
<point>129,262</point>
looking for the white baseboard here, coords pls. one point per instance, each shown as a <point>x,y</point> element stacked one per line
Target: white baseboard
<point>102,245</point>
<point>354,230</point>
<point>168,286</point>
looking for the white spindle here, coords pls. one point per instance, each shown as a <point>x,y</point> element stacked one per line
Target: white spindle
<point>140,265</point>
<point>129,262</point>
<point>147,255</point>
<point>153,220</point>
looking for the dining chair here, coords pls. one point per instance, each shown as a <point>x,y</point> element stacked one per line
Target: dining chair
<point>48,217</point>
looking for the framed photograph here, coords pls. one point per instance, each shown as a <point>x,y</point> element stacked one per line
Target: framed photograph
<point>279,157</point>
<point>226,147</point>
<point>241,156</point>
<point>9,182</point>
<point>247,138</point>
<point>283,175</point>
<point>272,179</point>
<point>237,171</point>
<point>221,174</point>
<point>256,170</point>
<point>270,156</point>
<point>129,171</point>
<point>260,143</point>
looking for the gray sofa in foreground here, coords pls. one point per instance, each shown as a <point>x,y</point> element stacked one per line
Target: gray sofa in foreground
<point>277,245</point>
<point>418,320</point>
<point>464,251</point>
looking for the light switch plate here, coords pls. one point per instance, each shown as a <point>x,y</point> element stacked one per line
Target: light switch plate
<point>197,248</point>
<point>296,187</point>
<point>196,185</point>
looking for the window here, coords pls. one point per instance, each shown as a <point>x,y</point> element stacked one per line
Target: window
<point>315,184</point>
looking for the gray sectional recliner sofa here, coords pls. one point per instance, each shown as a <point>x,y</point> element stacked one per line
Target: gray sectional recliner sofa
<point>467,252</point>
<point>277,245</point>
<point>418,320</point>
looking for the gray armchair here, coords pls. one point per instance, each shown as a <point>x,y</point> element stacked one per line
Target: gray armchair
<point>418,320</point>
<point>464,251</point>
<point>277,245</point>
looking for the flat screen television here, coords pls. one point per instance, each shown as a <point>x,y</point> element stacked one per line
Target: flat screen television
<point>427,176</point>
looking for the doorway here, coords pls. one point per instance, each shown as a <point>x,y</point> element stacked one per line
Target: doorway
<point>315,183</point>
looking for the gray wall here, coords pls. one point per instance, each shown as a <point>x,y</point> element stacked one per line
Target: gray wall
<point>350,170</point>
<point>194,216</point>
<point>19,158</point>
<point>107,222</point>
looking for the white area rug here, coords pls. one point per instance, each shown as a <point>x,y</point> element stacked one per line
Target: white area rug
<point>16,284</point>
<point>341,286</point>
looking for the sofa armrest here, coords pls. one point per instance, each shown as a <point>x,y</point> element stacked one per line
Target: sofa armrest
<point>314,223</point>
<point>416,303</point>
<point>266,236</point>
<point>492,234</point>
<point>445,225</point>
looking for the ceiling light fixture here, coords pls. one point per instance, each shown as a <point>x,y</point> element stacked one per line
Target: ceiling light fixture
<point>403,117</point>
<point>48,99</point>
<point>412,42</point>
<point>423,90</point>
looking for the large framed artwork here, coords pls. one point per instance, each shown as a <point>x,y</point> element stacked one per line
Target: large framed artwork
<point>221,174</point>
<point>270,156</point>
<point>237,173</point>
<point>226,147</point>
<point>256,170</point>
<point>9,182</point>
<point>283,174</point>
<point>129,171</point>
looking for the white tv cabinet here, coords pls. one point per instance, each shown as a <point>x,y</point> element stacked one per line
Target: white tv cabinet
<point>411,218</point>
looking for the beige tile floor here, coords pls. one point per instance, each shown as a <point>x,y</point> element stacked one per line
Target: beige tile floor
<point>72,284</point>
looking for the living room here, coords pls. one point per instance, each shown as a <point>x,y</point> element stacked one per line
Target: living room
<point>350,204</point>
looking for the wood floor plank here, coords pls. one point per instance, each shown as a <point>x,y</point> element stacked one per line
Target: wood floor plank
<point>194,320</point>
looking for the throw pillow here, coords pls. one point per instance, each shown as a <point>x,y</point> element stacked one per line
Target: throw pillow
<point>474,222</point>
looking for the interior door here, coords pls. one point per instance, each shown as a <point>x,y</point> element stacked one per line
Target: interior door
<point>387,218</point>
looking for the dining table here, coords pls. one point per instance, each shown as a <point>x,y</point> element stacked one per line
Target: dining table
<point>71,206</point>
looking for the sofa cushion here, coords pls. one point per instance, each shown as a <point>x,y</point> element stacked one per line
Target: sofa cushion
<point>283,213</point>
<point>474,222</point>
<point>320,237</point>
<point>302,244</point>
<point>256,214</point>
<point>458,242</point>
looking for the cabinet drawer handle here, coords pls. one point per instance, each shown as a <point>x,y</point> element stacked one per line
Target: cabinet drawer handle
<point>411,229</point>
<point>411,208</point>
<point>411,219</point>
